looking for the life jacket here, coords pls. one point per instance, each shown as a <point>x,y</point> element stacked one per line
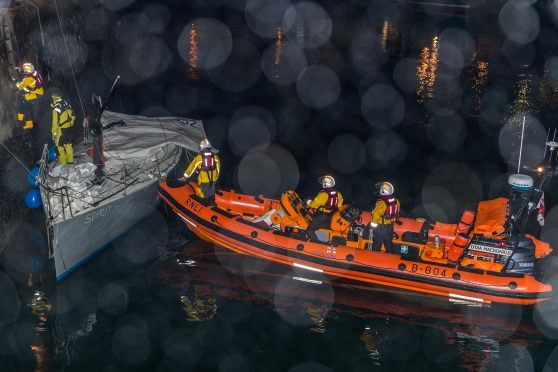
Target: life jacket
<point>38,78</point>
<point>392,210</point>
<point>331,202</point>
<point>208,161</point>
<point>62,106</point>
<point>38,81</point>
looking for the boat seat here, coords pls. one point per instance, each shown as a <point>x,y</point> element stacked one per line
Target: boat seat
<point>322,236</point>
<point>420,237</point>
<point>338,240</point>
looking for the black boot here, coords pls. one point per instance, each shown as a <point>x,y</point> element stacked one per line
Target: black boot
<point>312,235</point>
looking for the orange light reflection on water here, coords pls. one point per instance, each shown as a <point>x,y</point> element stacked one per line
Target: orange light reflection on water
<point>193,54</point>
<point>426,71</point>
<point>40,353</point>
<point>278,53</point>
<point>523,102</point>
<point>480,71</point>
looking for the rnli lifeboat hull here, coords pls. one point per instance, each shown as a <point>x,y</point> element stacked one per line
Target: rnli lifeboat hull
<point>446,280</point>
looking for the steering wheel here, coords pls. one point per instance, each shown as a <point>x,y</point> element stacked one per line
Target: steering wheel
<point>304,208</point>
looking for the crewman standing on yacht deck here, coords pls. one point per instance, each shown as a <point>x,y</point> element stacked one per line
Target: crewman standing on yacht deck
<point>384,215</point>
<point>208,166</point>
<point>63,119</point>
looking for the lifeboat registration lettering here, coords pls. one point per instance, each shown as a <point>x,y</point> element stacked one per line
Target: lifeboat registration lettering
<point>192,204</point>
<point>327,254</point>
<point>428,270</point>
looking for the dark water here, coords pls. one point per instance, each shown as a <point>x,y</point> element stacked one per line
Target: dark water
<point>364,91</point>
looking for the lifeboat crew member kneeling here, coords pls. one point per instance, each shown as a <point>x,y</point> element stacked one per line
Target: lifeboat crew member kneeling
<point>325,203</point>
<point>384,215</point>
<point>208,166</point>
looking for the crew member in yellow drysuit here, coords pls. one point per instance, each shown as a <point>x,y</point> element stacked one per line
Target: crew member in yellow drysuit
<point>63,119</point>
<point>325,203</point>
<point>31,91</point>
<point>208,166</point>
<point>384,215</point>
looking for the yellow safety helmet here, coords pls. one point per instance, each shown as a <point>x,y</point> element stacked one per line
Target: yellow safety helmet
<point>56,97</point>
<point>326,181</point>
<point>386,188</point>
<point>204,144</point>
<point>28,68</point>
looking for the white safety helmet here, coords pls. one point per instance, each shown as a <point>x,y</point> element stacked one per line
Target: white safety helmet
<point>326,181</point>
<point>386,188</point>
<point>28,68</point>
<point>204,144</point>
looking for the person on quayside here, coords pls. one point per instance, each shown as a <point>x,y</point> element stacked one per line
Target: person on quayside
<point>31,88</point>
<point>325,204</point>
<point>208,166</point>
<point>63,119</point>
<point>384,215</point>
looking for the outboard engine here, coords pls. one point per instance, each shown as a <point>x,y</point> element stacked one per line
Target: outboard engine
<point>523,259</point>
<point>521,192</point>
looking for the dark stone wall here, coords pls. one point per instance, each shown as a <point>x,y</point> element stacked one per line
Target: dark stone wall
<point>13,185</point>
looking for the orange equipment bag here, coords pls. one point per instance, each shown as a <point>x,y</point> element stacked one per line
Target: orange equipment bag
<point>457,247</point>
<point>465,223</point>
<point>491,217</point>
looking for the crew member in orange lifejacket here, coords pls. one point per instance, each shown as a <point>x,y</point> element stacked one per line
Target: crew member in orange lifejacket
<point>384,215</point>
<point>208,166</point>
<point>31,91</point>
<point>325,204</point>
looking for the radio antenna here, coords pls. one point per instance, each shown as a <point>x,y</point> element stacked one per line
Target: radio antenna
<point>521,145</point>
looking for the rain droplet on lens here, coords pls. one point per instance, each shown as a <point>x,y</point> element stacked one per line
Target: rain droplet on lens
<point>318,86</point>
<point>307,24</point>
<point>346,153</point>
<point>240,71</point>
<point>383,106</point>
<point>265,16</point>
<point>520,21</point>
<point>115,5</point>
<point>155,18</point>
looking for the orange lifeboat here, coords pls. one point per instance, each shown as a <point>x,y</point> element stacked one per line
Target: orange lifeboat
<point>429,257</point>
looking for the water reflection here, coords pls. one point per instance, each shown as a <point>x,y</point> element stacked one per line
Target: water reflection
<point>300,35</point>
<point>389,36</point>
<point>548,90</point>
<point>426,71</point>
<point>278,53</point>
<point>318,316</point>
<point>384,322</point>
<point>480,77</point>
<point>371,339</point>
<point>198,303</point>
<point>193,54</point>
<point>522,103</point>
<point>40,307</point>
